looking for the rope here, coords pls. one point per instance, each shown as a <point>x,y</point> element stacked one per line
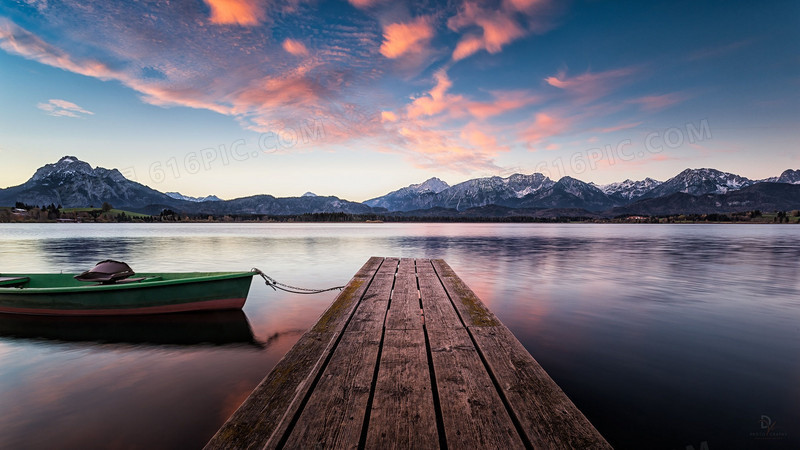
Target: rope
<point>271,282</point>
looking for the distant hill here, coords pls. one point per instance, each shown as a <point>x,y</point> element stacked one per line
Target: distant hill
<point>762,196</point>
<point>207,198</point>
<point>71,182</point>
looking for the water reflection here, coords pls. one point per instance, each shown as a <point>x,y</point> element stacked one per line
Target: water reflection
<point>217,328</point>
<point>665,336</point>
<point>85,252</point>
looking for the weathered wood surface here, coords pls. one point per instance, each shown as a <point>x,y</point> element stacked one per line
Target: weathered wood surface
<point>407,356</point>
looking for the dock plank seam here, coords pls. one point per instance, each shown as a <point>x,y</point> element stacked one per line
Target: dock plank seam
<point>511,413</point>
<point>437,406</point>
<point>362,442</point>
<point>287,433</point>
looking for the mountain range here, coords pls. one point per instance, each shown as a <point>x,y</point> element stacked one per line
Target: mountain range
<point>71,182</point>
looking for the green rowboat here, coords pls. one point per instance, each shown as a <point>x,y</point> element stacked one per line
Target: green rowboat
<point>148,293</point>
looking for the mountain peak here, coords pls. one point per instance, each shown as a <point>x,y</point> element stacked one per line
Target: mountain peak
<point>67,165</point>
<point>629,189</point>
<point>790,176</point>
<point>309,194</point>
<point>434,185</point>
<point>701,181</point>
<point>188,198</point>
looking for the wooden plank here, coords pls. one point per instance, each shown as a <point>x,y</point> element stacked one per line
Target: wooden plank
<point>436,307</point>
<point>334,414</point>
<point>280,393</point>
<point>389,266</point>
<point>371,311</point>
<point>334,318</point>
<point>402,414</point>
<point>546,414</point>
<point>471,309</point>
<point>404,311</point>
<point>406,265</point>
<point>472,411</point>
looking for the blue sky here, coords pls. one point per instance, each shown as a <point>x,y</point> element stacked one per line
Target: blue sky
<point>239,97</point>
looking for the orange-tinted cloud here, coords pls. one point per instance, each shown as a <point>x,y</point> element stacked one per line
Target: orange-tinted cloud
<point>620,127</point>
<point>658,102</point>
<point>287,93</point>
<point>492,28</point>
<point>591,85</point>
<point>441,149</point>
<point>409,37</point>
<point>498,28</point>
<point>544,127</point>
<point>436,100</point>
<point>467,46</point>
<point>236,12</point>
<point>502,102</point>
<point>477,138</point>
<point>363,4</point>
<point>295,47</point>
<point>388,116</point>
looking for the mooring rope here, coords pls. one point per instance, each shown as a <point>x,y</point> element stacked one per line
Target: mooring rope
<point>271,282</point>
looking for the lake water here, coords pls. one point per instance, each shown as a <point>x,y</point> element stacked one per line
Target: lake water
<point>665,336</point>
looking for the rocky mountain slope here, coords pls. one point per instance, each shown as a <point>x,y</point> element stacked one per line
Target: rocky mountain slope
<point>74,183</point>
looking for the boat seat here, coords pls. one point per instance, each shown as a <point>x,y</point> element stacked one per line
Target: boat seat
<point>13,281</point>
<point>128,280</point>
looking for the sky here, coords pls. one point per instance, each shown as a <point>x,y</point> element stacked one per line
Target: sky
<point>357,98</point>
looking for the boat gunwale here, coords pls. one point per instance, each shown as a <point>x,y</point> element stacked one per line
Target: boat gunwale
<point>143,284</point>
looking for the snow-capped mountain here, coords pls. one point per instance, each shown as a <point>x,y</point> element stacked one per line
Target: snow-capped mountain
<point>790,176</point>
<point>309,194</point>
<point>492,191</point>
<point>629,190</point>
<point>74,183</point>
<point>68,167</point>
<point>568,192</point>
<point>207,198</point>
<point>71,182</point>
<point>699,182</point>
<point>469,194</point>
<point>415,196</point>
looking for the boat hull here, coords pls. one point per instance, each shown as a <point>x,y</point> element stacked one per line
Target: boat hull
<point>57,294</point>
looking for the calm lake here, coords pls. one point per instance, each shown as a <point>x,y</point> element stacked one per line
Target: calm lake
<point>665,336</point>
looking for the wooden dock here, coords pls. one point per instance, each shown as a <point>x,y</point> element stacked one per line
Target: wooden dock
<point>407,357</point>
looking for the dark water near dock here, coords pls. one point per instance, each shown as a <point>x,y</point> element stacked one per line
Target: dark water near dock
<point>665,336</point>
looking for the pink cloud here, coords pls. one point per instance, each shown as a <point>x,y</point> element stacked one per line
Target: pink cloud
<point>295,47</point>
<point>714,52</point>
<point>363,4</point>
<point>497,29</point>
<point>477,138</point>
<point>436,100</point>
<point>658,102</point>
<point>441,149</point>
<point>492,28</point>
<point>62,108</point>
<point>409,37</point>
<point>544,127</point>
<point>620,127</point>
<point>287,94</point>
<point>503,102</point>
<point>388,116</point>
<point>236,12</point>
<point>592,85</point>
